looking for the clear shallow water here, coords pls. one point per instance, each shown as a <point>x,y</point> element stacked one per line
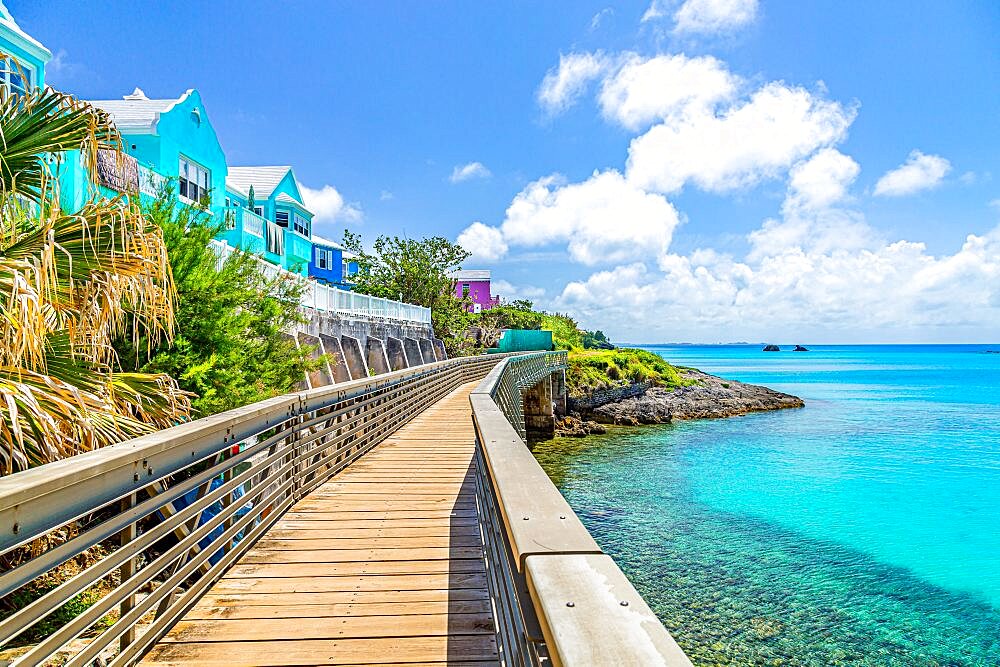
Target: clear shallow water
<point>862,529</point>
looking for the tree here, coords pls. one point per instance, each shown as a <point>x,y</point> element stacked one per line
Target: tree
<point>596,340</point>
<point>71,282</point>
<point>513,316</point>
<point>231,348</point>
<point>417,271</point>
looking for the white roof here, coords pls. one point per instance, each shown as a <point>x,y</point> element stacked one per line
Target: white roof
<point>263,179</point>
<point>136,111</point>
<point>471,275</point>
<point>286,198</point>
<point>27,42</point>
<point>319,240</point>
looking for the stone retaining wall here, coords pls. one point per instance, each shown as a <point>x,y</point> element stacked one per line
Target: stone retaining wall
<point>605,396</point>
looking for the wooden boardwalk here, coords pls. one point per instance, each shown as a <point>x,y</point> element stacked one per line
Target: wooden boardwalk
<point>381,565</point>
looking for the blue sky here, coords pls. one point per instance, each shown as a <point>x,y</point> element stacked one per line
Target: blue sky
<point>703,170</point>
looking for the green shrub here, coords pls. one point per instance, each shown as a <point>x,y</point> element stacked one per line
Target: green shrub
<point>593,370</point>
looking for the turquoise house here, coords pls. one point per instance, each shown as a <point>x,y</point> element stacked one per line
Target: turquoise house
<point>28,51</point>
<point>169,138</point>
<point>276,217</point>
<point>173,140</point>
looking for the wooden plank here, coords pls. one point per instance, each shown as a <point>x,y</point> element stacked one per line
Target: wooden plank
<point>358,583</point>
<point>346,627</point>
<point>260,570</point>
<point>325,531</point>
<point>229,607</point>
<point>374,523</point>
<point>384,516</point>
<point>360,555</point>
<point>289,653</point>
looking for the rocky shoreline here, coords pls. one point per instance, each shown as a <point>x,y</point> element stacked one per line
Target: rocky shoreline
<point>709,397</point>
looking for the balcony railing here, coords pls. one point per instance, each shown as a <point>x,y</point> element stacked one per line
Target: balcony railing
<point>342,302</point>
<point>150,182</point>
<point>252,223</point>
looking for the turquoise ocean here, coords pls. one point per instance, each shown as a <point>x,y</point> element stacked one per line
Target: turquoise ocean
<point>863,529</point>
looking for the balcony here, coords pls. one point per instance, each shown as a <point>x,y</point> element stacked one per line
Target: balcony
<point>150,182</point>
<point>244,229</point>
<point>249,222</point>
<point>298,251</point>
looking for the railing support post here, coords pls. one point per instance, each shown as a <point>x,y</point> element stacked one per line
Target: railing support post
<point>126,571</point>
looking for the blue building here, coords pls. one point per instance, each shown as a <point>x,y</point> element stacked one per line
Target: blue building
<point>331,264</point>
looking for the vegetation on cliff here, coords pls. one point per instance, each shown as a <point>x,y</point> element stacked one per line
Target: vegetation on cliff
<point>593,370</point>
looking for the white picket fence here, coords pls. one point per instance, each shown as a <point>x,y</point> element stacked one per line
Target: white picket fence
<point>343,302</point>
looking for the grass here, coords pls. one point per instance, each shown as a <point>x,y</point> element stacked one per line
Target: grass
<point>592,370</point>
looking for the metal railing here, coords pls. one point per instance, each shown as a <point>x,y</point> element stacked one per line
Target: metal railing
<point>330,299</point>
<point>158,519</point>
<point>558,599</point>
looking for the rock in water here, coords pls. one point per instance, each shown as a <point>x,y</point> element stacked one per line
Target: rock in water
<point>772,348</point>
<point>710,396</point>
<point>799,348</point>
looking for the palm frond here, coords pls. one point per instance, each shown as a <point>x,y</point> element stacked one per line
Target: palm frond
<point>70,283</point>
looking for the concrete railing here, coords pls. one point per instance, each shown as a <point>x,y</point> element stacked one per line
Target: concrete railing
<point>153,522</point>
<point>330,299</point>
<point>556,595</point>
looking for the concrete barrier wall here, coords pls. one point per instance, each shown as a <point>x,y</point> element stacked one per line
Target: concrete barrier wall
<point>412,349</point>
<point>355,359</point>
<point>396,354</point>
<point>439,352</point>
<point>378,362</point>
<point>426,350</point>
<point>341,373</point>
<point>323,375</point>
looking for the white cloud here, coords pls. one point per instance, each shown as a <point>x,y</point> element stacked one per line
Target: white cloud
<point>778,126</point>
<point>328,205</point>
<point>919,172</point>
<point>465,172</point>
<point>484,242</point>
<point>599,17</point>
<point>655,11</point>
<point>643,90</point>
<point>794,293</point>
<point>563,85</point>
<point>509,292</point>
<point>603,220</point>
<point>821,181</point>
<point>714,16</point>
<point>386,195</point>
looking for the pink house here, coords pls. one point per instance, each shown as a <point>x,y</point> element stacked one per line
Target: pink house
<point>476,286</point>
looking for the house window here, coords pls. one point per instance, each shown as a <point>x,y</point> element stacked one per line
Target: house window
<point>16,79</point>
<point>465,290</point>
<point>324,258</point>
<point>259,210</point>
<point>281,217</point>
<point>345,268</point>
<point>300,224</point>
<point>195,180</point>
<point>228,203</point>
